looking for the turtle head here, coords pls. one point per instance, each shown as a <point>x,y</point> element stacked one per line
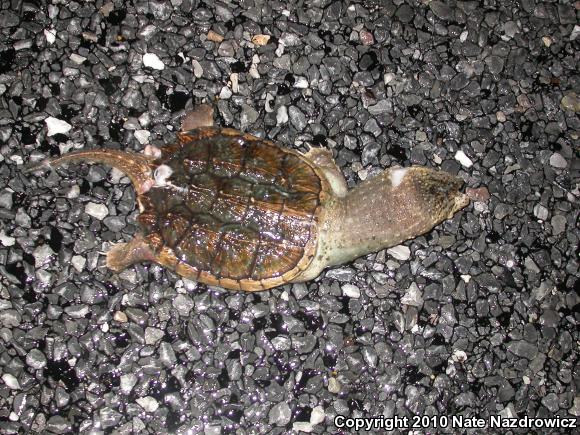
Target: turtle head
<point>439,193</point>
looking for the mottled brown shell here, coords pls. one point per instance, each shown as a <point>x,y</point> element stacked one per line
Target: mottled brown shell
<point>237,211</point>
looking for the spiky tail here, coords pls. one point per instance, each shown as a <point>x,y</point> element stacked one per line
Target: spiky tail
<point>138,167</point>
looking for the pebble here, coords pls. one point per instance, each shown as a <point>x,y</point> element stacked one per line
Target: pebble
<point>480,194</point>
<point>334,386</point>
<point>260,39</point>
<point>98,211</point>
<point>197,68</point>
<point>302,426</point>
<point>127,382</point>
<point>462,158</point>
<point>215,37</point>
<point>571,102</point>
<point>366,37</point>
<point>413,296</point>
<point>142,136</point>
<point>297,118</point>
<point>43,255</point>
<point>282,115</point>
<point>6,240</point>
<point>317,415</point>
<point>227,48</point>
<point>153,335</point>
<point>442,10</point>
<point>400,252</point>
<point>351,291</point>
<point>56,126</point>
<point>558,223</point>
<point>557,161</point>
<point>151,60</point>
<point>6,200</point>
<point>280,414</point>
<point>36,359</point>
<point>183,304</point>
<point>541,212</point>
<point>148,403</point>
<point>50,35</point>
<point>11,381</point>
<point>248,116</point>
<point>382,106</point>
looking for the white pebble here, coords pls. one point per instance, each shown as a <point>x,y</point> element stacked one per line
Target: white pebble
<point>388,78</point>
<point>459,355</point>
<point>463,36</point>
<point>148,403</point>
<point>78,262</point>
<point>301,83</point>
<point>128,381</point>
<point>557,161</point>
<point>333,386</point>
<point>302,426</point>
<point>352,291</point>
<point>50,35</point>
<point>317,415</point>
<point>42,255</point>
<point>98,211</point>
<point>152,61</point>
<point>197,68</point>
<point>462,158</point>
<point>153,335</point>
<point>6,240</point>
<point>120,317</point>
<point>11,381</point>
<point>73,192</point>
<point>77,58</point>
<point>234,80</point>
<point>56,126</point>
<point>225,93</point>
<point>282,115</point>
<point>547,41</point>
<point>541,212</point>
<point>142,136</point>
<point>400,252</point>
<point>413,296</point>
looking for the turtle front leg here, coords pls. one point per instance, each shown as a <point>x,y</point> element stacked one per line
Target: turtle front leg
<point>123,255</point>
<point>322,158</point>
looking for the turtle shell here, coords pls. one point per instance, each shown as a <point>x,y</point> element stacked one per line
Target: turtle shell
<point>232,209</point>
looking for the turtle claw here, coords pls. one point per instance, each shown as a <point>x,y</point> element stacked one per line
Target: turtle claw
<point>123,255</point>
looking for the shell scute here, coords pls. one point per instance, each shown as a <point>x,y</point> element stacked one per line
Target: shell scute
<point>236,209</point>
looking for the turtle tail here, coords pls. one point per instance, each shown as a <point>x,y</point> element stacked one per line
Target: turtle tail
<point>138,167</point>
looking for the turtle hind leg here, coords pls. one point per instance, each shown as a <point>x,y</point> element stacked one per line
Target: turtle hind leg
<point>201,116</point>
<point>123,255</point>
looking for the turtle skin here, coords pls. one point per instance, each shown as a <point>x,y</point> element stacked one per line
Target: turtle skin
<point>235,210</point>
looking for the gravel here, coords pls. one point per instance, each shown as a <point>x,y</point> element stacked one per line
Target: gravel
<point>477,318</point>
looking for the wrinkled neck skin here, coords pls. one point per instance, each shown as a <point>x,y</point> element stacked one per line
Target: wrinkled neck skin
<point>395,206</point>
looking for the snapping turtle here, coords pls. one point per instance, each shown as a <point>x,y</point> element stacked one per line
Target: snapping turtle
<point>230,209</point>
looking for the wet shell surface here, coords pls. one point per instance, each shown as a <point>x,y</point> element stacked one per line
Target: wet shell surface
<point>233,209</point>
